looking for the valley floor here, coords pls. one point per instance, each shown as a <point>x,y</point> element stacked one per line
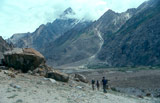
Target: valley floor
<point>26,88</point>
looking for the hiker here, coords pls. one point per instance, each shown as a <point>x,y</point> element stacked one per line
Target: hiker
<point>104,82</point>
<point>97,84</point>
<point>93,83</point>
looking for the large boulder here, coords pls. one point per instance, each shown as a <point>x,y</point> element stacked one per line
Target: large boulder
<point>23,59</point>
<point>59,76</point>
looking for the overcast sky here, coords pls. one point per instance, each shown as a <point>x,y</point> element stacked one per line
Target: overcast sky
<point>20,16</point>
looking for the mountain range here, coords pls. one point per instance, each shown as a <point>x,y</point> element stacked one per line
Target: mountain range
<point>130,38</point>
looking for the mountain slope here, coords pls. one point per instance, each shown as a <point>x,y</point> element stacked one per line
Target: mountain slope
<point>83,44</point>
<point>45,34</point>
<point>71,46</point>
<point>137,42</point>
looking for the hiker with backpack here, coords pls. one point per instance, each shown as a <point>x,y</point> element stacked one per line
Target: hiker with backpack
<point>97,84</point>
<point>93,83</point>
<point>104,83</point>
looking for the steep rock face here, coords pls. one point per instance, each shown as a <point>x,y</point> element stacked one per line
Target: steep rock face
<point>137,42</point>
<point>111,21</point>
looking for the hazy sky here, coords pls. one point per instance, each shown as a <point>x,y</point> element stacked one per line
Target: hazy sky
<point>20,16</point>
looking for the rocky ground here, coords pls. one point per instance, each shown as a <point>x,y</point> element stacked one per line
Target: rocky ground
<point>26,88</point>
<point>133,82</point>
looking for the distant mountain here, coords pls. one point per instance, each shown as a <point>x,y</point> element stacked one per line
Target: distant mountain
<point>45,34</point>
<point>137,42</point>
<point>68,13</point>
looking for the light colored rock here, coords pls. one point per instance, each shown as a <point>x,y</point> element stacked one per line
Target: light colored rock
<point>52,80</point>
<point>23,59</point>
<point>15,86</point>
<point>81,78</point>
<point>12,75</point>
<point>19,101</point>
<point>79,87</point>
<point>59,76</point>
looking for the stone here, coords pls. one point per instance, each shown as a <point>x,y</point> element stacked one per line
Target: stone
<point>79,87</point>
<point>19,101</point>
<point>59,76</point>
<point>15,86</point>
<point>40,82</point>
<point>23,59</point>
<point>11,69</point>
<point>148,94</point>
<point>140,96</point>
<point>52,80</point>
<point>81,78</point>
<point>76,79</point>
<point>6,72</point>
<point>113,89</point>
<point>30,72</point>
<point>12,75</point>
<point>40,71</point>
<point>0,70</point>
<point>13,96</point>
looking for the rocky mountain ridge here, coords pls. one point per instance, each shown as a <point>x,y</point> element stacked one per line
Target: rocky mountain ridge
<point>136,43</point>
<point>45,34</point>
<point>82,47</point>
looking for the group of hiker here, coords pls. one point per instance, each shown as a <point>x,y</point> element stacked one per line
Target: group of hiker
<point>97,83</point>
